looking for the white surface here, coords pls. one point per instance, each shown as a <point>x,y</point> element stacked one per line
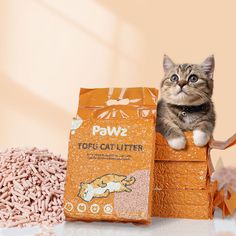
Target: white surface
<point>181,227</point>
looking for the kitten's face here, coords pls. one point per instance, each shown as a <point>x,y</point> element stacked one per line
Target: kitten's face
<point>187,84</point>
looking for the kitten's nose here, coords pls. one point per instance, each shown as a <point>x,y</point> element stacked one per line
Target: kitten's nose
<point>182,83</point>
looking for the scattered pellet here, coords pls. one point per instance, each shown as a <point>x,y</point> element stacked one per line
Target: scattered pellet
<point>31,187</point>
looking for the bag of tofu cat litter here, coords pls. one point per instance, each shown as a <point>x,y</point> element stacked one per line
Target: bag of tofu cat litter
<point>111,156</point>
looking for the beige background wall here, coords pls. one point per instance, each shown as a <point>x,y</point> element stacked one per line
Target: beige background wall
<point>49,49</point>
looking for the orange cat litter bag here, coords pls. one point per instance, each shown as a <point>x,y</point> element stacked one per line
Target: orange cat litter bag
<point>111,156</point>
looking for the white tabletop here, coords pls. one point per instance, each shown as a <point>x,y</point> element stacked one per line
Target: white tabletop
<point>165,227</point>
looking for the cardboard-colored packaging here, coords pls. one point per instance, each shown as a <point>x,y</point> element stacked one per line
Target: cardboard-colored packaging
<point>182,187</point>
<point>180,175</point>
<point>111,156</point>
<point>191,153</point>
<point>179,203</point>
<point>225,195</point>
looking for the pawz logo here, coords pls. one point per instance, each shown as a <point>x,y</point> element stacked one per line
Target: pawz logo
<point>110,131</point>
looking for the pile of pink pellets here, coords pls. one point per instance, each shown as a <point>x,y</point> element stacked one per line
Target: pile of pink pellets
<point>31,187</point>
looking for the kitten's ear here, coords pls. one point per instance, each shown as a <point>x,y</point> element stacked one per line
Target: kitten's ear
<point>208,66</point>
<point>167,64</point>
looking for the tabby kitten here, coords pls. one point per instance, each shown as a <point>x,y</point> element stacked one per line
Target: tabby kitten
<point>186,102</point>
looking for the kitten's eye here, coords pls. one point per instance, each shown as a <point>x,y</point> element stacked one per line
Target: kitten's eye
<point>174,78</point>
<point>193,78</point>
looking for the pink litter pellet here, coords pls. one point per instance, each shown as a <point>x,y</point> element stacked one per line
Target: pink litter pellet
<point>31,187</point>
<point>123,202</point>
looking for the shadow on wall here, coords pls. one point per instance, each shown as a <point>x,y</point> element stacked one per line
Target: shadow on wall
<point>80,27</point>
<point>54,43</point>
<point>115,45</point>
<point>16,97</point>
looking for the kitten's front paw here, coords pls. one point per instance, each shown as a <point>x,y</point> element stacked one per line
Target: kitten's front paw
<point>177,143</point>
<point>200,138</point>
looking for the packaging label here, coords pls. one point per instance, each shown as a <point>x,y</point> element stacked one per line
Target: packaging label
<point>110,167</point>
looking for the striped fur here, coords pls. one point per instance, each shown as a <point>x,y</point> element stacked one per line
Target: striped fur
<point>182,93</point>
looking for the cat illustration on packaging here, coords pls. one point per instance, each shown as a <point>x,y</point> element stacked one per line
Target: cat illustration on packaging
<point>102,186</point>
